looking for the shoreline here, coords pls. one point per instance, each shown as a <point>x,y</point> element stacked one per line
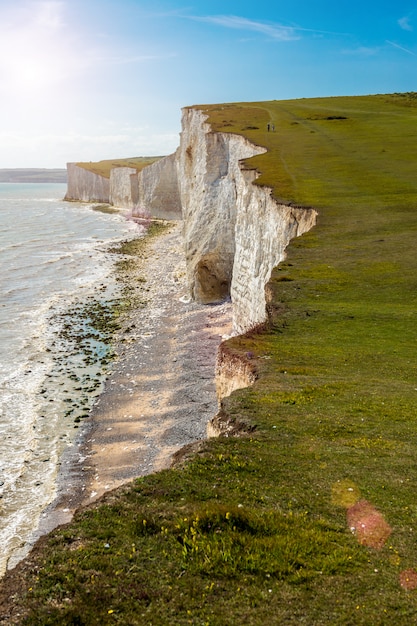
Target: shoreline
<point>160,393</point>
<point>57,290</point>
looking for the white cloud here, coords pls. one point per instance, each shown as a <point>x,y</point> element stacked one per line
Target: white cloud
<point>55,150</point>
<point>271,30</point>
<point>405,24</point>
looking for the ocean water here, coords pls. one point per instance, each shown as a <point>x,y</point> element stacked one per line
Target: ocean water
<point>56,278</point>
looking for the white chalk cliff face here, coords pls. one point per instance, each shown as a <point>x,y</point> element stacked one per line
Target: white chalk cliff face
<point>152,192</point>
<point>264,229</point>
<point>158,192</point>
<point>235,233</point>
<point>84,186</point>
<point>208,175</point>
<point>124,188</point>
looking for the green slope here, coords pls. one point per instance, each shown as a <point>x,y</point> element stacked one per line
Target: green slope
<point>254,530</point>
<point>103,168</point>
<point>327,151</point>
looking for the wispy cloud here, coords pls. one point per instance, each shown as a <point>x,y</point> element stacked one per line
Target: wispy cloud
<point>405,24</point>
<point>364,51</point>
<point>316,31</point>
<point>269,29</point>
<point>396,45</point>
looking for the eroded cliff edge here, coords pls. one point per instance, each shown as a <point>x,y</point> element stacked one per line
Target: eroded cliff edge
<point>234,231</point>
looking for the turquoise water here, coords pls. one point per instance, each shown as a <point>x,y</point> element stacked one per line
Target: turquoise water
<point>54,259</point>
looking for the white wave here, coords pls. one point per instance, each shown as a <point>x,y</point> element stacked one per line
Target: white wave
<point>52,254</point>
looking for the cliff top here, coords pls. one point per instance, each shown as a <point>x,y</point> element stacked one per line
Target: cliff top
<point>360,138</point>
<point>103,168</point>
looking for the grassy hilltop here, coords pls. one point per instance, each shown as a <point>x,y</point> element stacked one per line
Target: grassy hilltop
<point>258,529</point>
<point>103,168</point>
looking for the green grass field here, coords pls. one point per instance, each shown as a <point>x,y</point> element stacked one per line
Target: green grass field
<point>258,529</point>
<point>103,168</point>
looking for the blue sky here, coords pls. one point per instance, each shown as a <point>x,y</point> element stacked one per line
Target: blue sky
<point>99,79</point>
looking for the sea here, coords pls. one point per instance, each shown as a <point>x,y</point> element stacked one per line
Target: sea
<point>57,289</point>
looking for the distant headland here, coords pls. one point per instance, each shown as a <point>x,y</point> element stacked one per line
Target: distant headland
<point>33,175</point>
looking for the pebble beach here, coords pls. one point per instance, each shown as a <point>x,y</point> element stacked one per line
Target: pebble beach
<point>160,392</point>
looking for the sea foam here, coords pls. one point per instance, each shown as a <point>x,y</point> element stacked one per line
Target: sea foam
<point>54,258</point>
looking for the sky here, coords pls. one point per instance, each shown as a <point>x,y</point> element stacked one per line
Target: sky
<point>85,80</point>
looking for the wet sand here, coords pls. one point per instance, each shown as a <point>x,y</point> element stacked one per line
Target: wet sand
<point>160,393</point>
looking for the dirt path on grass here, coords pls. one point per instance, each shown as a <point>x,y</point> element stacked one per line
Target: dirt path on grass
<point>161,392</point>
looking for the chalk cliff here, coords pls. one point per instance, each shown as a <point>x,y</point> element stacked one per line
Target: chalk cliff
<point>235,233</point>
<point>85,186</point>
<point>158,190</point>
<point>209,178</point>
<point>124,187</point>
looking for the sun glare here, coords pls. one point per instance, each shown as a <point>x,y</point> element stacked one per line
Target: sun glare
<point>35,51</point>
<point>32,74</point>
